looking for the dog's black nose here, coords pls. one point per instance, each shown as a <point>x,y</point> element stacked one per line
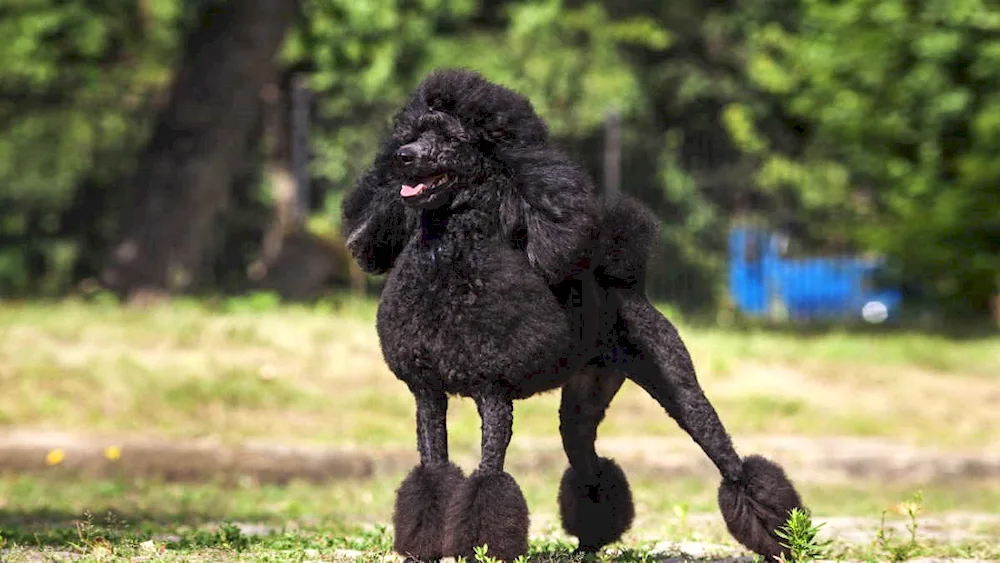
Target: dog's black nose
<point>407,154</point>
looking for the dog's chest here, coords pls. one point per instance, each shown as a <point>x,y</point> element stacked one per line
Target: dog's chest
<point>436,292</point>
<point>457,313</point>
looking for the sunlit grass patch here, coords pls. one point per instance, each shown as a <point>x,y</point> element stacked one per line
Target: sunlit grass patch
<point>253,369</point>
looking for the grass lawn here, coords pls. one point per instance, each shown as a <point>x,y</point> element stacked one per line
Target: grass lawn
<point>119,519</point>
<point>246,370</point>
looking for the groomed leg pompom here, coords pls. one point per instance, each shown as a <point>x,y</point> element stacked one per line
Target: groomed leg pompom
<point>597,510</point>
<point>421,502</point>
<point>488,508</point>
<point>757,504</point>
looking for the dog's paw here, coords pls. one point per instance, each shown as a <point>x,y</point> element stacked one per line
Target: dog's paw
<point>421,502</point>
<point>488,509</point>
<point>757,504</point>
<point>596,510</point>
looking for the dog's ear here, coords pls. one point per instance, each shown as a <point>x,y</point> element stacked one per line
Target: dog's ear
<point>552,212</point>
<point>376,225</point>
<point>516,127</point>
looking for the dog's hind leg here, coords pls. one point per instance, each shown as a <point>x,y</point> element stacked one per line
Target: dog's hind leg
<point>755,496</point>
<point>422,498</point>
<point>595,502</point>
<point>489,508</point>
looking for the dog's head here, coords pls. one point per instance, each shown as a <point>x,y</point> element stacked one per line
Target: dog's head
<point>454,132</point>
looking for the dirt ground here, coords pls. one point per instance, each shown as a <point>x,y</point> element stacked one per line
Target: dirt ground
<point>832,459</point>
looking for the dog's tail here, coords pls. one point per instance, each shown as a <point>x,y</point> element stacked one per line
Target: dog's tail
<point>755,496</point>
<point>627,238</point>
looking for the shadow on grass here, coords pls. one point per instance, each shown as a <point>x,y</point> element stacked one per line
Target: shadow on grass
<point>42,527</point>
<point>52,531</point>
<point>45,535</point>
<point>52,512</point>
<point>46,531</point>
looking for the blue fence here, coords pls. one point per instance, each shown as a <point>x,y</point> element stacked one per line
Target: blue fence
<point>763,282</point>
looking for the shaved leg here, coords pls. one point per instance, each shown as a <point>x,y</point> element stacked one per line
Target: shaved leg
<point>423,497</point>
<point>489,508</point>
<point>595,502</point>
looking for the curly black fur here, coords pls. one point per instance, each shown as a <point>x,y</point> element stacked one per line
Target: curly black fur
<point>630,231</point>
<point>757,503</point>
<point>487,509</point>
<point>419,514</point>
<point>508,276</point>
<point>598,511</point>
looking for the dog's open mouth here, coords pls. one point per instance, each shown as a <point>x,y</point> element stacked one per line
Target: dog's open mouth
<point>425,185</point>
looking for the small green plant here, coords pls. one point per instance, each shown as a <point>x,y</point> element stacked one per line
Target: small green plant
<point>377,538</point>
<point>682,511</point>
<point>482,555</point>
<point>800,535</point>
<point>100,540</point>
<point>551,548</point>
<point>885,537</point>
<point>230,535</point>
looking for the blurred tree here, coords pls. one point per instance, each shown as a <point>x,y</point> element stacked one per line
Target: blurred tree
<point>76,84</point>
<point>679,156</point>
<point>202,138</point>
<point>369,55</point>
<point>860,124</point>
<point>901,118</point>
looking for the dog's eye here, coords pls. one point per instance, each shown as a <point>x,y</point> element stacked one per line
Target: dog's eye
<point>438,103</point>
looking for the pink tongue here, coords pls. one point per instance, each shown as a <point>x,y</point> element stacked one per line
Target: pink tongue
<point>410,191</point>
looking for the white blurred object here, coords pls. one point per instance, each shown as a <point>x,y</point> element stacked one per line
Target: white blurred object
<point>875,312</point>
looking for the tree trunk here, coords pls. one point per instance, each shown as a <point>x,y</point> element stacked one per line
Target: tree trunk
<point>294,262</point>
<point>285,190</point>
<point>184,178</point>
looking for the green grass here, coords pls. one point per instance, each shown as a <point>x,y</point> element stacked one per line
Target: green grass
<point>243,370</point>
<point>246,369</point>
<point>184,520</point>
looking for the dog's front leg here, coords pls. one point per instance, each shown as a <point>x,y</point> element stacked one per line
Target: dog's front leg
<point>424,495</point>
<point>489,507</point>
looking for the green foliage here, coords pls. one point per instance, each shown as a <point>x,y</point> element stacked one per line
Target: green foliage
<point>800,537</point>
<point>566,60</point>
<point>375,538</point>
<point>74,75</point>
<point>76,89</point>
<point>893,549</point>
<point>368,57</point>
<point>871,125</point>
<point>899,102</point>
<point>685,273</point>
<point>232,536</point>
<point>364,55</point>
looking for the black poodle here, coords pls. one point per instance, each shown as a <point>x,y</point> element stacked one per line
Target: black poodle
<point>508,276</point>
